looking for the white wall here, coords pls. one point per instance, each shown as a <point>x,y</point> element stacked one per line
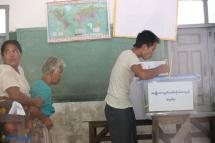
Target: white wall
<point>31,13</point>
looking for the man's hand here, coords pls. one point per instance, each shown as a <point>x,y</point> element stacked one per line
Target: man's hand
<point>163,68</point>
<point>145,74</point>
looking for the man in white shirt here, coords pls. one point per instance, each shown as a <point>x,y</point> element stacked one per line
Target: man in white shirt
<point>119,109</point>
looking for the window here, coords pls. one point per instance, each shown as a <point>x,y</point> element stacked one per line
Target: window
<point>211,11</point>
<point>2,21</point>
<point>190,12</point>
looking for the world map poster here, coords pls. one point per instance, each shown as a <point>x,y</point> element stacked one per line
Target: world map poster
<point>78,20</point>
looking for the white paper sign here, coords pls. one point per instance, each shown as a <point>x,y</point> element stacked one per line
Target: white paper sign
<point>170,96</point>
<point>133,16</point>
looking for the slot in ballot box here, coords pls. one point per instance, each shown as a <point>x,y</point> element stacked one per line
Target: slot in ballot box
<point>174,93</point>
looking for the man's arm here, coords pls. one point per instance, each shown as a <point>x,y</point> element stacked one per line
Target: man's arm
<point>145,74</point>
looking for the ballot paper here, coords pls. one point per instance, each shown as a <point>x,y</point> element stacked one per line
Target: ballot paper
<point>16,109</point>
<point>153,64</point>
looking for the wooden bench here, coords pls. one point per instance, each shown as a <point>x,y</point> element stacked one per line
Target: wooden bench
<point>98,131</point>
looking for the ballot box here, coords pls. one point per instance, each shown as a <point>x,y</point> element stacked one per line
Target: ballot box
<point>171,93</point>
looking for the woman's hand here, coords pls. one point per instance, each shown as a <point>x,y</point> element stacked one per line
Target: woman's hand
<point>48,122</point>
<point>38,101</point>
<point>15,94</point>
<point>38,114</point>
<point>3,98</point>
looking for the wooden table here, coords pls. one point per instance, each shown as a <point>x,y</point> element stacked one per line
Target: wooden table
<point>184,123</point>
<point>96,136</point>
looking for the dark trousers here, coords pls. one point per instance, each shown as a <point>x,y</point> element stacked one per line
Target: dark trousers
<point>121,124</point>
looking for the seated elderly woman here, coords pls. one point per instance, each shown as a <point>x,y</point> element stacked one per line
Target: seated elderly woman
<point>14,86</point>
<point>52,70</point>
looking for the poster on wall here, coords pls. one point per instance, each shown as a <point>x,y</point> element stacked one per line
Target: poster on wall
<point>78,20</point>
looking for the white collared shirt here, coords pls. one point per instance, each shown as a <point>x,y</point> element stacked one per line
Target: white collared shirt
<point>9,78</point>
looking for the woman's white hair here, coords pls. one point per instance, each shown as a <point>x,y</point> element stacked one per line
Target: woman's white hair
<point>52,63</point>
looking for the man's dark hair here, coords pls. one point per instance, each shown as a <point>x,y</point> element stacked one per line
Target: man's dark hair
<point>13,42</point>
<point>146,37</point>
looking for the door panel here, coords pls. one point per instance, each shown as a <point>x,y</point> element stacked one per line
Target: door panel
<point>191,55</point>
<point>211,45</point>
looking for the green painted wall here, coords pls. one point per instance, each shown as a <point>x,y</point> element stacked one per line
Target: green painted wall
<point>12,36</point>
<point>88,63</point>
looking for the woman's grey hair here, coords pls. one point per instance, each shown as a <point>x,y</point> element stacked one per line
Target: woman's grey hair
<point>52,63</point>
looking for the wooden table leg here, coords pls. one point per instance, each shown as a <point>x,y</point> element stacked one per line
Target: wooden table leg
<point>92,133</point>
<point>183,131</point>
<point>212,129</point>
<point>155,129</point>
